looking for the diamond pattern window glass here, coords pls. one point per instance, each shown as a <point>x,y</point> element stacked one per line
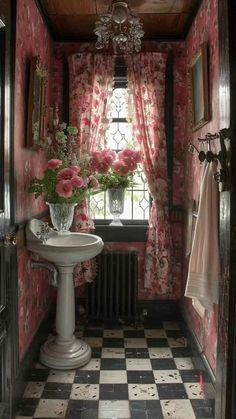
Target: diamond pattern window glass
<point>119,136</point>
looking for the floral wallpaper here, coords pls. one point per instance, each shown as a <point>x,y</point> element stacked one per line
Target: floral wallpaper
<point>61,53</point>
<point>32,39</point>
<point>204,28</point>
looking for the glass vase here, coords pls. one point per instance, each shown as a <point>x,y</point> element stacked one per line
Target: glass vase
<point>61,216</point>
<point>116,205</point>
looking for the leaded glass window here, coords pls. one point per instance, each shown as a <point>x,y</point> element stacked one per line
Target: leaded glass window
<point>119,136</point>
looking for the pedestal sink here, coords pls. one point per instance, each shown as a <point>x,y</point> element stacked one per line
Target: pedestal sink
<point>65,251</point>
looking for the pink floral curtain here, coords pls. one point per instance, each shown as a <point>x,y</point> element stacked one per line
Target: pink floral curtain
<point>146,81</point>
<point>91,82</point>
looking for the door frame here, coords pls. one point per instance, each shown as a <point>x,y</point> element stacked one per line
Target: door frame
<point>225,406</point>
<point>9,291</point>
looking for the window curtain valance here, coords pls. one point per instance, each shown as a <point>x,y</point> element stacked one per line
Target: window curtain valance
<point>146,81</point>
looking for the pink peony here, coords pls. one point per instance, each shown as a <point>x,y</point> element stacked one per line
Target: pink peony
<point>94,182</point>
<point>54,164</point>
<point>66,174</point>
<point>77,181</point>
<point>76,169</point>
<point>120,167</point>
<point>102,160</point>
<point>64,189</point>
<point>130,157</point>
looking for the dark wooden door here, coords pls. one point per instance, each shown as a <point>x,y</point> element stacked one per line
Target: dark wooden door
<point>226,354</point>
<point>8,285</point>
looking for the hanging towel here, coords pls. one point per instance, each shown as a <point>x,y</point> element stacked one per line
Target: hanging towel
<point>204,263</point>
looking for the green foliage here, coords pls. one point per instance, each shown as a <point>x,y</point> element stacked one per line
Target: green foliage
<point>114,181</point>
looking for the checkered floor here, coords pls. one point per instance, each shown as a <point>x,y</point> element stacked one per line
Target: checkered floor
<point>135,373</point>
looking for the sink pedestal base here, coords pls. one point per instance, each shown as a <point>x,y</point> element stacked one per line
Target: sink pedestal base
<point>65,356</point>
<point>65,351</point>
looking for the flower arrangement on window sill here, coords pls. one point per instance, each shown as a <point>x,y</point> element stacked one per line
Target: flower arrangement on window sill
<point>70,179</point>
<point>115,170</point>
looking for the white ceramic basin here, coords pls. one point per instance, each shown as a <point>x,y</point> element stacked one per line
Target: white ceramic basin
<point>63,249</point>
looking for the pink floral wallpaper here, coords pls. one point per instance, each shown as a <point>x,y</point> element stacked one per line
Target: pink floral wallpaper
<point>177,49</point>
<point>204,28</point>
<point>32,39</point>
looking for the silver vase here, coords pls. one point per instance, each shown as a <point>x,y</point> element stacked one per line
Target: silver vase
<point>116,205</point>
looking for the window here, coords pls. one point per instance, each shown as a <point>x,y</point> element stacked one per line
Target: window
<point>119,136</point>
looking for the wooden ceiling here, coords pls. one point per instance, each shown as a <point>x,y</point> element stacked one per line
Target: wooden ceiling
<point>74,20</point>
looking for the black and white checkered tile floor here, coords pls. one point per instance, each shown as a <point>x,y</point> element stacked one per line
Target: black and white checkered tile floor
<point>135,373</point>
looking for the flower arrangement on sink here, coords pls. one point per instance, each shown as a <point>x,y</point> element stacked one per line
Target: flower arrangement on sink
<point>67,179</point>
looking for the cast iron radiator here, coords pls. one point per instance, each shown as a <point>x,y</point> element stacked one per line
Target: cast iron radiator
<point>113,293</point>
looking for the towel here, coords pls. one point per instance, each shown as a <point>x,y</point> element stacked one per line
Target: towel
<point>204,263</point>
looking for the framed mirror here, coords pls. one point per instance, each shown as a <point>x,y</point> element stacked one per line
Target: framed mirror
<point>200,88</point>
<point>36,102</point>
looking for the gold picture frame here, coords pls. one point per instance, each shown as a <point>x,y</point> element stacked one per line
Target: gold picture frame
<point>36,102</point>
<point>200,88</point>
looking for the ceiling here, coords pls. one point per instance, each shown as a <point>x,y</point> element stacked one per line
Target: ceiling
<point>74,20</point>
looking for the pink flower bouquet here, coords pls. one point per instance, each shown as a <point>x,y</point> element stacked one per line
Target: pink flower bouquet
<point>115,170</point>
<point>64,184</point>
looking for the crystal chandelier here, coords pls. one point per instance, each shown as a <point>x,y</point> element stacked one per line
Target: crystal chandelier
<point>121,26</point>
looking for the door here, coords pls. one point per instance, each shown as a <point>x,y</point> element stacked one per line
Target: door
<point>8,284</point>
<point>226,352</point>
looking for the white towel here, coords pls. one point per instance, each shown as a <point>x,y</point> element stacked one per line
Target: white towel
<point>204,263</point>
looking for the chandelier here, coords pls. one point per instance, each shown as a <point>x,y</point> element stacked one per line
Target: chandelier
<point>121,26</point>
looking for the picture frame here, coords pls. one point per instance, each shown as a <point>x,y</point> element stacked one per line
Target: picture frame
<point>200,88</point>
<point>36,102</point>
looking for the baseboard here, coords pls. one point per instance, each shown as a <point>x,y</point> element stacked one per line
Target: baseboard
<point>199,359</point>
<point>159,309</point>
<point>31,356</point>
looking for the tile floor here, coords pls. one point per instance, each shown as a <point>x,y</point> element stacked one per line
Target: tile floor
<point>134,373</point>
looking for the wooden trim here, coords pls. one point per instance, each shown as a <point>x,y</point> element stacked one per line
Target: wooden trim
<point>226,362</point>
<point>46,19</point>
<point>158,310</point>
<point>199,358</point>
<point>32,356</point>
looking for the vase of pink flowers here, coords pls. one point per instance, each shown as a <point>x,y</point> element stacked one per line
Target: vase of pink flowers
<point>114,172</point>
<point>116,198</point>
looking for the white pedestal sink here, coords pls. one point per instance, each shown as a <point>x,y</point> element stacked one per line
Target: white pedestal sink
<point>65,251</point>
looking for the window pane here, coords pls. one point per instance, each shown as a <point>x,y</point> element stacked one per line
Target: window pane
<point>119,135</point>
<point>119,103</point>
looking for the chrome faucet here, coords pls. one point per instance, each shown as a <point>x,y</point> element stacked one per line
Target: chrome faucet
<point>44,232</point>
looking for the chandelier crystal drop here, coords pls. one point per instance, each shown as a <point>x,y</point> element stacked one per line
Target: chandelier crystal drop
<point>121,26</point>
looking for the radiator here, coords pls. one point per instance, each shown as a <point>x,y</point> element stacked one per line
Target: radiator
<point>113,293</point>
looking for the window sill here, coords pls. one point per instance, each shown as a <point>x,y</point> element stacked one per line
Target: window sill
<point>125,233</point>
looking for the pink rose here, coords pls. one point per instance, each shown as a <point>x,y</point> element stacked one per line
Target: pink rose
<point>130,156</point>
<point>120,167</point>
<point>94,182</point>
<point>54,164</point>
<point>77,181</point>
<point>76,169</point>
<point>64,189</point>
<point>66,174</point>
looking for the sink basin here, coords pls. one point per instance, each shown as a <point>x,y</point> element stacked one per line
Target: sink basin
<point>63,351</point>
<point>63,249</point>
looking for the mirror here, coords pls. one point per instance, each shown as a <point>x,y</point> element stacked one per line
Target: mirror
<point>36,102</point>
<point>200,88</point>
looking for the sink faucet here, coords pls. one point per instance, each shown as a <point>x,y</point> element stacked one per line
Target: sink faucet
<point>44,232</point>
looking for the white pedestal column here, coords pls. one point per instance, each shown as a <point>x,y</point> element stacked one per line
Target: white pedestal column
<point>65,351</point>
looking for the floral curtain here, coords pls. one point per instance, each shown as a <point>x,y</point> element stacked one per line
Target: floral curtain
<point>146,81</point>
<point>91,81</point>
